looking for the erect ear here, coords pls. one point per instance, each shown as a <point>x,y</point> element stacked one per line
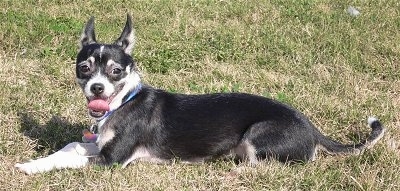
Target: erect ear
<point>88,36</point>
<point>127,38</point>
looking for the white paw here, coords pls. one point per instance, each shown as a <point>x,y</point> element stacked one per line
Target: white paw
<point>35,166</point>
<point>68,157</point>
<point>58,160</point>
<point>55,161</point>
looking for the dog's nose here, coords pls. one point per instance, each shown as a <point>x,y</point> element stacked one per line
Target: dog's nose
<point>97,88</point>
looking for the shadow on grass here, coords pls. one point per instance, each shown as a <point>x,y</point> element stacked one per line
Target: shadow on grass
<point>53,135</point>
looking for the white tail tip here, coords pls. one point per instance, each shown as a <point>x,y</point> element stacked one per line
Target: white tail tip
<point>371,120</point>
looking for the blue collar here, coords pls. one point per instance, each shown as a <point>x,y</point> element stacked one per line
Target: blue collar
<point>130,97</point>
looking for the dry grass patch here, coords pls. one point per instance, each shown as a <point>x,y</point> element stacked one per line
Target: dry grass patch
<point>335,68</point>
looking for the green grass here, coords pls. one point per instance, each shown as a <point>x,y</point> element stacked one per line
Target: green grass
<point>335,68</point>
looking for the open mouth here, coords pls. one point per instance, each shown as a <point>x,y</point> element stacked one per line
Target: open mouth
<point>96,114</point>
<point>99,106</point>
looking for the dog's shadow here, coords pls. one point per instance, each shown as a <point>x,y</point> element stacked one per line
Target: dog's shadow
<point>51,136</point>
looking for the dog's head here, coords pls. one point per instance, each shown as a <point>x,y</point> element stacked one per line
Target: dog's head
<point>106,72</point>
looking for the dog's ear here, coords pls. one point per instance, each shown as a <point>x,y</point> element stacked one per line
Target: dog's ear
<point>127,38</point>
<point>88,36</point>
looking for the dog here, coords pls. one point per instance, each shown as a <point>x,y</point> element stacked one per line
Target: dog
<point>137,122</point>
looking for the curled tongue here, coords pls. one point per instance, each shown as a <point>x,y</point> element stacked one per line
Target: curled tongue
<point>98,105</point>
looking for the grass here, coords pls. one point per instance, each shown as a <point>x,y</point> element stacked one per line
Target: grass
<point>335,68</point>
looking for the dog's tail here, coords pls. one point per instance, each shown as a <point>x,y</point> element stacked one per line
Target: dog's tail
<point>334,147</point>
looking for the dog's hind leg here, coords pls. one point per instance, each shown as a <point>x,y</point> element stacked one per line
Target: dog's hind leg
<point>245,151</point>
<point>274,140</point>
<point>74,155</point>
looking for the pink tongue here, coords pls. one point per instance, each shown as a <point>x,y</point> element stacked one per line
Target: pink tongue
<point>98,105</point>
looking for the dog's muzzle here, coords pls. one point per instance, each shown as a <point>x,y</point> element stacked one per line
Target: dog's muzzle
<point>99,105</point>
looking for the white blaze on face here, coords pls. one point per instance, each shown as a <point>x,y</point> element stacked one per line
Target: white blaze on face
<point>101,51</point>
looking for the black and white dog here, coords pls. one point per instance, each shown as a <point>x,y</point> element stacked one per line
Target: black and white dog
<point>138,122</point>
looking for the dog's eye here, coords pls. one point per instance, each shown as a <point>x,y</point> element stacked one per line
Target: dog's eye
<point>84,68</point>
<point>116,71</point>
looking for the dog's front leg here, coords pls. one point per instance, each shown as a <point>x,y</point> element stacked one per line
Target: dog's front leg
<point>74,155</point>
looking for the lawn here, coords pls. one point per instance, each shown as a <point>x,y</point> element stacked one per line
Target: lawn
<point>336,68</point>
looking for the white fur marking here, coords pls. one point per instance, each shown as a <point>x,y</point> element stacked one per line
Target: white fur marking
<point>246,150</point>
<point>91,59</point>
<point>131,40</point>
<point>105,136</point>
<point>371,120</point>
<point>141,153</point>
<point>314,155</point>
<point>251,153</point>
<point>111,62</point>
<point>101,51</point>
<point>74,155</point>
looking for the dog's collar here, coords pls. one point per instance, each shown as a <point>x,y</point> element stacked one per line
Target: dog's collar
<point>130,97</point>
